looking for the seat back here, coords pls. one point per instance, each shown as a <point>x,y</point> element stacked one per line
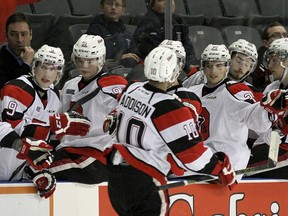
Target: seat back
<point>41,25</point>
<point>84,7</point>
<point>77,30</point>
<point>233,33</point>
<point>56,7</point>
<point>202,36</point>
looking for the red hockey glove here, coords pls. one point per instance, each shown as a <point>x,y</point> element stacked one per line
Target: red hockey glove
<point>36,153</point>
<point>71,123</point>
<point>227,175</point>
<point>110,122</point>
<point>274,102</point>
<point>44,180</point>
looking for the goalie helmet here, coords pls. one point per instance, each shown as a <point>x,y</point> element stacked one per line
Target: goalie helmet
<point>178,48</point>
<point>52,56</point>
<point>90,47</point>
<point>160,65</point>
<point>215,53</point>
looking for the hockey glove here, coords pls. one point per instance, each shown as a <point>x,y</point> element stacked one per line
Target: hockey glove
<point>274,102</point>
<point>71,123</point>
<point>227,174</point>
<point>110,122</point>
<point>36,153</point>
<point>44,180</point>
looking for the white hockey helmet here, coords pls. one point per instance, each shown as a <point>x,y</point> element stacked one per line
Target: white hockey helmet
<point>90,47</point>
<point>215,52</point>
<point>160,65</point>
<point>278,47</point>
<point>52,56</point>
<point>246,48</point>
<point>179,49</point>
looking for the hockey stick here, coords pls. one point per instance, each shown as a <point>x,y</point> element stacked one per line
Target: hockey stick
<point>275,141</point>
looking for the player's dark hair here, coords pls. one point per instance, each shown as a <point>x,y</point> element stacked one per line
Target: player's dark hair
<point>264,34</point>
<point>17,17</point>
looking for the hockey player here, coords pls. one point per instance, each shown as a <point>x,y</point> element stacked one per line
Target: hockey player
<point>156,136</point>
<point>30,104</point>
<point>243,62</point>
<point>93,94</point>
<point>276,60</point>
<point>229,108</point>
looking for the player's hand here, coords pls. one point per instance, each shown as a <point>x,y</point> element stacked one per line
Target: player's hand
<point>227,174</point>
<point>71,123</point>
<point>36,153</point>
<point>274,102</point>
<point>110,122</point>
<point>27,55</point>
<point>44,180</point>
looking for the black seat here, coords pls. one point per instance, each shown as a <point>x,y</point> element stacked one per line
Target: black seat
<point>233,33</point>
<point>201,36</point>
<point>212,11</point>
<point>136,10</point>
<point>180,7</point>
<point>79,7</point>
<point>77,30</point>
<point>274,8</point>
<point>192,20</point>
<point>56,7</point>
<point>24,8</point>
<point>60,36</point>
<point>130,28</point>
<point>41,25</point>
<point>248,9</point>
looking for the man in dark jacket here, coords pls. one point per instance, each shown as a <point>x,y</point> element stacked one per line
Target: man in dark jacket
<point>16,57</point>
<point>150,32</point>
<point>118,41</point>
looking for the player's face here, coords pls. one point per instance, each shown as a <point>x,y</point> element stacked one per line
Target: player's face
<point>240,65</point>
<point>18,36</point>
<point>215,72</point>
<point>88,67</point>
<point>159,6</point>
<point>276,66</point>
<point>113,9</point>
<point>45,74</point>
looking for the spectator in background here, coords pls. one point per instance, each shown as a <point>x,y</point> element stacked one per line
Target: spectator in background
<point>118,40</point>
<point>7,8</point>
<point>150,32</point>
<point>16,57</point>
<point>262,76</point>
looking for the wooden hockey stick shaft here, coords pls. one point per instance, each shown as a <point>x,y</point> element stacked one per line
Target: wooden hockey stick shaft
<point>275,141</point>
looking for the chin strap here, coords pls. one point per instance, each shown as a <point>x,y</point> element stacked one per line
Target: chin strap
<point>285,72</point>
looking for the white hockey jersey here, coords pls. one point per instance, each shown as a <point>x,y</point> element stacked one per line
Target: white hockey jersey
<point>228,111</point>
<point>157,134</point>
<point>96,109</point>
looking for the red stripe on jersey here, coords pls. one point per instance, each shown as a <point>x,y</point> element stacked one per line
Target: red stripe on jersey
<point>133,161</point>
<point>192,153</point>
<point>111,80</point>
<point>18,93</point>
<point>238,87</point>
<point>172,118</point>
<point>41,132</point>
<point>14,123</point>
<point>174,166</point>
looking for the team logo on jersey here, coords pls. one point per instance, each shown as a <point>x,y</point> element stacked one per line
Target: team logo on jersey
<point>116,90</point>
<point>38,109</point>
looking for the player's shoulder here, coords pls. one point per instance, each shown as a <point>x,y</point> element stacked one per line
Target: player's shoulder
<point>107,80</point>
<point>236,87</point>
<point>19,87</point>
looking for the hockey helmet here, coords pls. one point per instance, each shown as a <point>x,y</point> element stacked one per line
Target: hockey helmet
<point>90,47</point>
<point>52,56</point>
<point>277,48</point>
<point>215,53</point>
<point>178,48</point>
<point>160,65</point>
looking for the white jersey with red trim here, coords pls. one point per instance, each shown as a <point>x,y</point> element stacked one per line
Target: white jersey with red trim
<point>157,134</point>
<point>195,79</point>
<point>96,109</point>
<point>228,111</point>
<point>26,111</point>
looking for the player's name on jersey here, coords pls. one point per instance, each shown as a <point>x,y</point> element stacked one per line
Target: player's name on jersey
<point>136,106</point>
